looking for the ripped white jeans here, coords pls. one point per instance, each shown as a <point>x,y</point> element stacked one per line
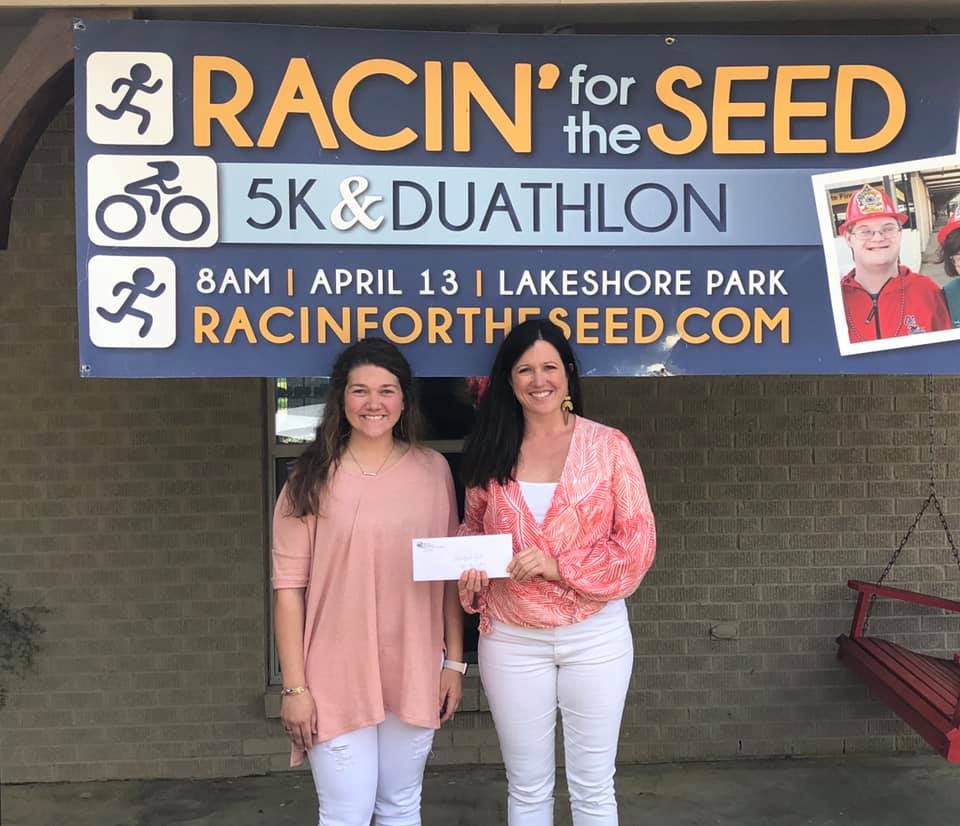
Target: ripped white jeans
<point>374,770</point>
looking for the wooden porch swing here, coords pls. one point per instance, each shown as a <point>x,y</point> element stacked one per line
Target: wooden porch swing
<point>924,691</point>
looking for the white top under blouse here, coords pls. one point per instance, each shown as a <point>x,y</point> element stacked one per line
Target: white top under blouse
<point>538,496</point>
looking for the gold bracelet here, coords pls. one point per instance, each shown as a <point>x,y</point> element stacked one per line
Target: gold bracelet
<point>291,692</point>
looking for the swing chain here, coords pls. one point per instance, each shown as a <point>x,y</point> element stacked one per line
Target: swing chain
<point>932,498</point>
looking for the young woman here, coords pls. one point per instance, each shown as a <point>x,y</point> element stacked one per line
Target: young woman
<point>555,633</point>
<point>370,658</point>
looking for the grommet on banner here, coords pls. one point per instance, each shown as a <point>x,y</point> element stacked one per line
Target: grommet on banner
<point>669,40</point>
<point>79,25</point>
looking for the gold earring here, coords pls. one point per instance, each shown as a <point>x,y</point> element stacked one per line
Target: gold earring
<point>567,407</point>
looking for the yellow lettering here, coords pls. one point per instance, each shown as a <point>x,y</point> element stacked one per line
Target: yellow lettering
<point>847,76</point>
<point>239,323</point>
<point>640,314</point>
<point>264,325</point>
<point>325,321</point>
<point>468,87</point>
<point>785,108</point>
<point>584,324</point>
<point>614,325</point>
<point>344,116</point>
<point>205,321</point>
<point>761,320</point>
<point>491,325</point>
<point>364,324</point>
<point>205,111</point>
<point>439,321</point>
<point>726,312</point>
<point>433,106</point>
<point>407,312</point>
<point>558,316</point>
<point>298,94</point>
<point>689,338</point>
<point>305,325</point>
<point>725,109</point>
<point>693,113</point>
<point>470,315</point>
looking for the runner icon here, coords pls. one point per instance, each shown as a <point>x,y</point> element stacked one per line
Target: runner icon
<point>140,74</point>
<point>142,277</point>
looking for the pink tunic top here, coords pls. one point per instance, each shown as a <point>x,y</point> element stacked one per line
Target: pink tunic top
<point>599,528</point>
<point>373,638</point>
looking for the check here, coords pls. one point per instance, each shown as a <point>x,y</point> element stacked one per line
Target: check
<point>448,557</point>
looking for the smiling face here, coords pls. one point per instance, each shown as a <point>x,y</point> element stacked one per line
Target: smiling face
<point>372,401</point>
<point>875,242</point>
<point>539,379</point>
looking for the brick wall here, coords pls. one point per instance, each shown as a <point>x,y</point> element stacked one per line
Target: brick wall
<point>134,511</point>
<point>770,493</point>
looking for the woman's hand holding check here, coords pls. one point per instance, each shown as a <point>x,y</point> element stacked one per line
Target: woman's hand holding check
<point>533,562</point>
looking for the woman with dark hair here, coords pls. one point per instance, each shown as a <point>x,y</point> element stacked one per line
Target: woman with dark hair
<point>949,238</point>
<point>555,634</point>
<point>362,645</point>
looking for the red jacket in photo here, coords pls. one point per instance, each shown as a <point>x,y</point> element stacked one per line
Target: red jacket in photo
<point>907,303</point>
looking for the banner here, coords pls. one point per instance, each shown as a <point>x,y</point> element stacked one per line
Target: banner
<point>251,198</point>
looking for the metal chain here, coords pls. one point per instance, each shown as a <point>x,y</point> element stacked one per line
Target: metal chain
<point>933,486</point>
<point>932,499</point>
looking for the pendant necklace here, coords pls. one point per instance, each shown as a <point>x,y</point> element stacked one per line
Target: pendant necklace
<point>367,472</point>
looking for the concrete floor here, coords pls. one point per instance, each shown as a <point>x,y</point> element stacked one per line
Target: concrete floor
<point>873,791</point>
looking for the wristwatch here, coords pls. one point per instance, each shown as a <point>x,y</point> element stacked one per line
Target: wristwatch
<point>453,665</point>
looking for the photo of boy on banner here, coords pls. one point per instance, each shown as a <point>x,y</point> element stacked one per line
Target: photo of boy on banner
<point>878,229</point>
<point>882,298</point>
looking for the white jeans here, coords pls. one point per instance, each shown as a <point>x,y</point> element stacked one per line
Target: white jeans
<point>584,669</point>
<point>378,769</point>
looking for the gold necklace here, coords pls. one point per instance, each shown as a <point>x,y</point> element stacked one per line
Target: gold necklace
<point>367,472</point>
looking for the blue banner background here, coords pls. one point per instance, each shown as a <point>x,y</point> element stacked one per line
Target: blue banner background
<point>781,234</point>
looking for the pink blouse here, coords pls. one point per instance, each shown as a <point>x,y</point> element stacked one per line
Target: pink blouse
<point>599,528</point>
<point>373,638</point>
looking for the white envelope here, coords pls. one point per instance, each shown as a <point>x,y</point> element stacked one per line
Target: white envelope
<point>448,557</point>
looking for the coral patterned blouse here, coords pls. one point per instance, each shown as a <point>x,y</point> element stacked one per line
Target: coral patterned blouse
<point>599,528</point>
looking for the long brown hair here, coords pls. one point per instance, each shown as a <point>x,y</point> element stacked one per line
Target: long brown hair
<point>314,467</point>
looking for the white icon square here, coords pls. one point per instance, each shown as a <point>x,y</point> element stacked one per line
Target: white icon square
<point>149,201</point>
<point>130,98</point>
<point>132,301</point>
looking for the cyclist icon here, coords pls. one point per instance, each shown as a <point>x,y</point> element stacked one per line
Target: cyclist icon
<point>138,82</point>
<point>166,171</point>
<point>154,187</point>
<point>142,277</point>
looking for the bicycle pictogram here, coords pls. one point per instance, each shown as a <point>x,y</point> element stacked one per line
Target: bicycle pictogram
<point>154,187</point>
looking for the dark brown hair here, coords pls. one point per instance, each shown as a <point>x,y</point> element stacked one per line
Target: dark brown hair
<point>951,247</point>
<point>314,467</point>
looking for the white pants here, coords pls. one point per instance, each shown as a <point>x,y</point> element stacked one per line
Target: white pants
<point>584,669</point>
<point>378,769</point>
